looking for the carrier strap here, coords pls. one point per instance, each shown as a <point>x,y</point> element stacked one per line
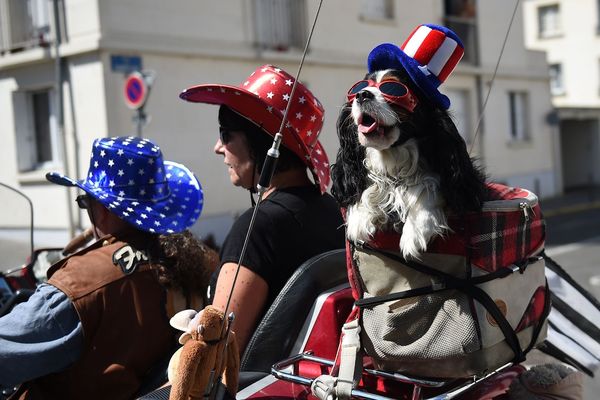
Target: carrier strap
<point>467,286</point>
<point>350,360</point>
<point>436,287</point>
<point>327,387</point>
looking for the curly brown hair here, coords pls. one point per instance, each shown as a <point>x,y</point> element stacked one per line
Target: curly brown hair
<point>187,263</point>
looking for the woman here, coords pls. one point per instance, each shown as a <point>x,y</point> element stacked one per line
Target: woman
<point>100,322</point>
<point>296,218</point>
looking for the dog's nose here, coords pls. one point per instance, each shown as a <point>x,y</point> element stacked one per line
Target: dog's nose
<point>363,96</point>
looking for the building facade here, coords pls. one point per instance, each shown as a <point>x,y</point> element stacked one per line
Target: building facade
<point>569,33</point>
<point>182,43</point>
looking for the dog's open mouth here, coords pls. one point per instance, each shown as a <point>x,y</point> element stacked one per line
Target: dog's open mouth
<point>367,125</point>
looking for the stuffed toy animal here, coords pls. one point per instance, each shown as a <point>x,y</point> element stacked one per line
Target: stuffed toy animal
<point>547,382</point>
<point>205,348</point>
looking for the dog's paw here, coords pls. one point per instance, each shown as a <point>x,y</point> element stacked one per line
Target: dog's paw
<point>359,225</point>
<point>411,246</point>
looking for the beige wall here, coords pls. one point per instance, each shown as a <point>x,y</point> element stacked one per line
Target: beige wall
<point>577,48</point>
<point>192,42</point>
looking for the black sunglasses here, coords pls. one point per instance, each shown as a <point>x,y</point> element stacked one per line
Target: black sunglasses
<point>225,135</point>
<point>83,201</point>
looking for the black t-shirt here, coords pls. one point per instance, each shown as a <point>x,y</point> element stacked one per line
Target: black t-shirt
<point>291,226</point>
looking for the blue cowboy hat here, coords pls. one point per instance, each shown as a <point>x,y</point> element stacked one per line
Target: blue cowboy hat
<point>429,55</point>
<point>128,176</point>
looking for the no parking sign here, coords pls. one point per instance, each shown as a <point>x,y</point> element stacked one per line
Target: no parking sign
<point>136,90</point>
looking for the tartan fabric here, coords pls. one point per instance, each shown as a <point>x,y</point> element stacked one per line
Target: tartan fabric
<point>503,238</point>
<point>503,233</point>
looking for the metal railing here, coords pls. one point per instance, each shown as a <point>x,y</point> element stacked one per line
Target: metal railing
<point>280,24</point>
<point>24,24</point>
<point>455,387</point>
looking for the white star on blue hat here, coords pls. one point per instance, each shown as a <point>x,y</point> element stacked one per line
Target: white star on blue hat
<point>128,176</point>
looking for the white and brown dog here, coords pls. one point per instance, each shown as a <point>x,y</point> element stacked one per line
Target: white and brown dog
<point>402,164</point>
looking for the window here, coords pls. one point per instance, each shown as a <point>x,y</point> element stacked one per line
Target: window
<point>549,21</point>
<point>36,129</point>
<point>460,16</point>
<point>465,9</point>
<point>24,24</point>
<point>598,17</point>
<point>556,79</point>
<point>518,109</point>
<point>377,10</point>
<point>460,111</point>
<point>280,24</point>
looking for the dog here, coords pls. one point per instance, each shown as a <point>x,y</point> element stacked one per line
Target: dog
<point>401,164</point>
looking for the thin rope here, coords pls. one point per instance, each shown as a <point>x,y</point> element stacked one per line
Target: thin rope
<point>312,29</point>
<point>493,77</point>
<point>211,388</point>
<point>260,194</point>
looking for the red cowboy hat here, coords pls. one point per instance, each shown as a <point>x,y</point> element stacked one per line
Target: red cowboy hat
<point>262,99</point>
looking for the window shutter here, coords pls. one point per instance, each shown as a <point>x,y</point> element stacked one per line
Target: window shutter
<point>459,100</point>
<point>19,23</point>
<point>25,139</point>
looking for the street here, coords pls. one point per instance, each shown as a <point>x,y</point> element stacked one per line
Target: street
<point>573,241</point>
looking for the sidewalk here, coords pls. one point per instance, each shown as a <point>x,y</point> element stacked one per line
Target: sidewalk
<point>572,201</point>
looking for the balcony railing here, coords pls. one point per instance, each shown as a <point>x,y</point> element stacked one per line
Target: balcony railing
<point>280,24</point>
<point>24,24</point>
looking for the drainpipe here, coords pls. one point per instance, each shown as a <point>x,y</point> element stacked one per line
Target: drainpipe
<point>60,110</point>
<point>78,220</point>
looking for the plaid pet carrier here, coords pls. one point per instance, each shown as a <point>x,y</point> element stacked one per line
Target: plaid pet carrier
<point>476,300</point>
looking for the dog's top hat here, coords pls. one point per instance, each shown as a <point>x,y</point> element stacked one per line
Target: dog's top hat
<point>262,99</point>
<point>128,176</point>
<point>429,55</point>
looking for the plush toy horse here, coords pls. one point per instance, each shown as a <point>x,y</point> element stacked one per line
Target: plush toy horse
<point>206,347</point>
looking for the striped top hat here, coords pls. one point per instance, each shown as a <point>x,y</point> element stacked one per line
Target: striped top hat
<point>429,56</point>
<point>262,99</point>
<point>129,177</point>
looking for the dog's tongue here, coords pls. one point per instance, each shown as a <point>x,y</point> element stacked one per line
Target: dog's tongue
<point>371,129</point>
<point>366,129</point>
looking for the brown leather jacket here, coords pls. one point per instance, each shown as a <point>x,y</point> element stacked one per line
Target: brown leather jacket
<point>121,306</point>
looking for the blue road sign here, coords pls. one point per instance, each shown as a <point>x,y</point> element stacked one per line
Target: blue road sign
<point>125,64</point>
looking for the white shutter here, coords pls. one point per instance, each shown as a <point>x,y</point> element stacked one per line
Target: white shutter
<point>459,109</point>
<point>40,17</point>
<point>19,23</point>
<point>521,116</point>
<point>24,133</point>
<point>280,24</point>
<point>376,9</point>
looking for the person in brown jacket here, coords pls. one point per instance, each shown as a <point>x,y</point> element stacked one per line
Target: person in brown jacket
<point>102,320</point>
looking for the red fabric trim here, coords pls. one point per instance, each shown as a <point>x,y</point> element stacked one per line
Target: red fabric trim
<point>534,312</point>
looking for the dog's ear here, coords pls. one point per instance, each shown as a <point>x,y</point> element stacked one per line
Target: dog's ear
<point>462,182</point>
<point>348,174</point>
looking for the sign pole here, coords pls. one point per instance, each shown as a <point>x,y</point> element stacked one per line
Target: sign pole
<point>140,121</point>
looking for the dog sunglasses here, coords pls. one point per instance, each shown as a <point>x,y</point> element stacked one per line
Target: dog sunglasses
<point>83,201</point>
<point>391,90</point>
